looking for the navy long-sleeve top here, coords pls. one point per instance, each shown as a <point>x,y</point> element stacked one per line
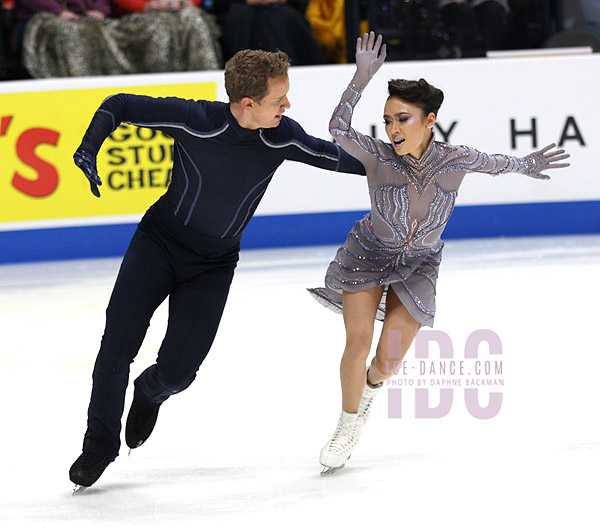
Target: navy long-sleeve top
<point>220,169</point>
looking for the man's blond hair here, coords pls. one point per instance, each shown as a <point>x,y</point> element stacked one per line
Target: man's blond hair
<point>247,73</point>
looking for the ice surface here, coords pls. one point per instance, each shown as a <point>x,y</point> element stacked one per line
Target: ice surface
<point>240,447</point>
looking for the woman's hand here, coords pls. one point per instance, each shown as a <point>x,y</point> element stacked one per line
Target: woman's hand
<point>368,58</point>
<point>548,160</point>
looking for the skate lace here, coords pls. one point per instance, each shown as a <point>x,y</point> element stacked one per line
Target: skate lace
<point>344,437</point>
<point>365,405</point>
<point>366,401</point>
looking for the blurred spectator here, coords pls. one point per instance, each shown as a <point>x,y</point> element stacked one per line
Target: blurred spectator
<point>126,7</point>
<point>580,26</point>
<point>591,15</point>
<point>64,9</point>
<point>527,27</point>
<point>327,20</point>
<point>7,22</point>
<point>475,26</point>
<point>169,36</point>
<point>268,25</point>
<point>411,29</point>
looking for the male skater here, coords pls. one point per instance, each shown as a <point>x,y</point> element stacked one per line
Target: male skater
<point>187,244</point>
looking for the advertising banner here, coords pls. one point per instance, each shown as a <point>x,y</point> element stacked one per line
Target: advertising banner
<point>512,106</point>
<point>40,131</point>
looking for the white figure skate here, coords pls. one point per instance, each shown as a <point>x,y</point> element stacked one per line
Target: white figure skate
<point>339,449</point>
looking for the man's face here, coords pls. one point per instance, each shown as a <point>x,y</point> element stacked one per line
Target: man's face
<point>267,112</point>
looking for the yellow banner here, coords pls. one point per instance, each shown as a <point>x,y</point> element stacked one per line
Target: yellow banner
<point>40,131</point>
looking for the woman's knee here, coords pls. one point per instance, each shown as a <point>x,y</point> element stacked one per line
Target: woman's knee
<point>358,345</point>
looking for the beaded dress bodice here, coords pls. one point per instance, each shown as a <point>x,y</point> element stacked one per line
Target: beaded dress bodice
<point>412,200</point>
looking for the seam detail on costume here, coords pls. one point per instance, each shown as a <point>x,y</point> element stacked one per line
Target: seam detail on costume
<point>112,117</point>
<point>183,127</point>
<point>242,203</point>
<point>193,206</point>
<point>337,166</point>
<point>187,183</point>
<point>257,198</point>
<point>299,145</point>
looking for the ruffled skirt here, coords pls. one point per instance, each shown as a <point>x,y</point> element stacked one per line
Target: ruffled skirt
<point>364,261</point>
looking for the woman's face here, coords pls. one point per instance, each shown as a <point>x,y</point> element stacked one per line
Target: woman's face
<point>408,130</point>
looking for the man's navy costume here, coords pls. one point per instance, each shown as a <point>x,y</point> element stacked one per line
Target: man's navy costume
<point>187,244</point>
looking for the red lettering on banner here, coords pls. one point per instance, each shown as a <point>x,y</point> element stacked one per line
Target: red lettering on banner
<point>4,123</point>
<point>47,179</point>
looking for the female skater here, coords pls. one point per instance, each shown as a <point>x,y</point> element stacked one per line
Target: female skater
<point>388,266</point>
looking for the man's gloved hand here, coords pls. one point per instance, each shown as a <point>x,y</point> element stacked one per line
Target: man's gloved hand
<point>87,163</point>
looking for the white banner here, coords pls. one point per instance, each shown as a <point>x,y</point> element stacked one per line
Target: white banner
<point>511,106</point>
<point>502,105</point>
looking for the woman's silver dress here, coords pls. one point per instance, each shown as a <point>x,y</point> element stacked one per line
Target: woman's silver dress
<point>397,244</point>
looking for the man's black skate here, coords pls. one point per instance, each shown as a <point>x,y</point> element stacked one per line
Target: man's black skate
<point>140,422</point>
<point>87,469</point>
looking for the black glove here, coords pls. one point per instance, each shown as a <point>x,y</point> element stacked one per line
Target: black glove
<point>87,163</point>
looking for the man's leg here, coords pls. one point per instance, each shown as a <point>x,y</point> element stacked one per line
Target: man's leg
<point>144,281</point>
<point>195,310</point>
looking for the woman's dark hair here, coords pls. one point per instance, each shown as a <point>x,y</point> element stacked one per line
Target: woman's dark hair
<point>419,93</point>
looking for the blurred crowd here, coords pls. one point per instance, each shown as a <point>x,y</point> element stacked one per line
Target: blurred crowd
<point>61,38</point>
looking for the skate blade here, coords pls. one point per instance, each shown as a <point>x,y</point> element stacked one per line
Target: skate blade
<point>132,448</point>
<point>331,470</point>
<point>77,490</point>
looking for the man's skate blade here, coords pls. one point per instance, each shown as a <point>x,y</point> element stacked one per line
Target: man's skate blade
<point>132,448</point>
<point>78,490</point>
<point>331,470</point>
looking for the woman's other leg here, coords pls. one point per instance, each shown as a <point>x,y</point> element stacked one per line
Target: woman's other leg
<point>398,326</point>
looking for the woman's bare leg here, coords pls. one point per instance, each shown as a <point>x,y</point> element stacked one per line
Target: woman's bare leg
<point>397,318</point>
<point>360,310</point>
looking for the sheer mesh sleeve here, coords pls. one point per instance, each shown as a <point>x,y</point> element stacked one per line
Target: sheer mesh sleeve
<point>365,148</point>
<point>471,160</point>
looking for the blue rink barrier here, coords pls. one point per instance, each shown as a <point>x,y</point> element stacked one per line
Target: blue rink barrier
<point>269,231</point>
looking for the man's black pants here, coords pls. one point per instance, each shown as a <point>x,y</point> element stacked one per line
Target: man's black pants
<point>164,258</point>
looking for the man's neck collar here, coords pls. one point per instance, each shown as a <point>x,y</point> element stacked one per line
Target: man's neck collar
<point>237,111</point>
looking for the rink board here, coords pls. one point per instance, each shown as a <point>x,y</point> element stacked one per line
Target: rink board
<point>47,211</point>
<point>510,220</point>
